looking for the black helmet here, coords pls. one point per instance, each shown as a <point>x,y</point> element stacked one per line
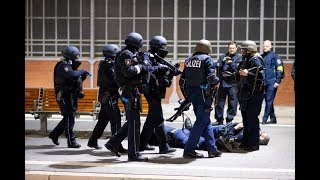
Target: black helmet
<point>110,50</point>
<point>134,40</point>
<point>158,42</point>
<point>71,52</point>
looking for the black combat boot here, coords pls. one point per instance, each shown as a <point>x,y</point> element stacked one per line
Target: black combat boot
<point>214,153</point>
<point>192,155</point>
<point>54,140</point>
<point>74,145</point>
<point>113,149</point>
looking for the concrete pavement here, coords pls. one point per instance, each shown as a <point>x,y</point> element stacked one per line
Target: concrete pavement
<point>45,161</point>
<point>285,116</point>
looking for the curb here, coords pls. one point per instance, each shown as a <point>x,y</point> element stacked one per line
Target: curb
<point>48,175</point>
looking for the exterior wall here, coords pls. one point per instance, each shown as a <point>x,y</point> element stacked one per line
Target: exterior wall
<point>285,94</point>
<point>39,73</point>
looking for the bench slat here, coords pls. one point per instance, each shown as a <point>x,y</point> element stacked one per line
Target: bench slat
<point>31,95</point>
<point>85,105</point>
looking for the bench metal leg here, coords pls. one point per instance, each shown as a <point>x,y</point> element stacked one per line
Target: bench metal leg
<point>43,123</point>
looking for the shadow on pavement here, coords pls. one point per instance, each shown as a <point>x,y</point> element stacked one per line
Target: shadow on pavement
<point>69,151</point>
<point>86,164</point>
<point>170,160</point>
<point>68,166</point>
<point>40,147</point>
<point>100,153</point>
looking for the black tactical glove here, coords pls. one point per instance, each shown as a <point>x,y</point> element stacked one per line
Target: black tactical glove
<point>84,72</point>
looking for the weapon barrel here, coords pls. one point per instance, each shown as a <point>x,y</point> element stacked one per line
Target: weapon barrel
<point>162,61</point>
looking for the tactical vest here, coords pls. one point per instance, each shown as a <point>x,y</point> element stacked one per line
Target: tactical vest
<point>105,79</point>
<point>119,63</point>
<point>194,69</point>
<point>60,83</point>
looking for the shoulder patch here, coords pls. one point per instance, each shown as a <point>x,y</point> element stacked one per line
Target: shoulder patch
<point>66,69</point>
<point>278,61</point>
<point>127,61</point>
<point>280,68</point>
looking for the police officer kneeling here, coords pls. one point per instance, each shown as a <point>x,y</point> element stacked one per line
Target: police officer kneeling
<point>129,74</point>
<point>67,87</point>
<point>197,83</point>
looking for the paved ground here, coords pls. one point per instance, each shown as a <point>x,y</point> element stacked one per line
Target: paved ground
<point>274,161</point>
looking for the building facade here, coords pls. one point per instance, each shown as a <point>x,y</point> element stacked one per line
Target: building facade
<point>90,24</point>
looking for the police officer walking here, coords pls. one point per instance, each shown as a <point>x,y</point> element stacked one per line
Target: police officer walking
<point>108,97</point>
<point>227,65</point>
<point>67,91</point>
<point>197,82</point>
<point>154,92</point>
<point>250,93</point>
<point>130,72</point>
<point>273,74</point>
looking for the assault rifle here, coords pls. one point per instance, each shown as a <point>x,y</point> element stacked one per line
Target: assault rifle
<point>174,69</point>
<point>184,106</point>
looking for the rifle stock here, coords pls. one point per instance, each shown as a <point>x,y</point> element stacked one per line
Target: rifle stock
<point>184,106</point>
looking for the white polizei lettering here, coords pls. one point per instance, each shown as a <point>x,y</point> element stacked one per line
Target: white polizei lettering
<point>137,68</point>
<point>194,63</point>
<point>187,63</point>
<point>198,64</point>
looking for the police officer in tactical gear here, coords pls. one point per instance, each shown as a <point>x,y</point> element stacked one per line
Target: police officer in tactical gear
<point>227,65</point>
<point>108,97</point>
<point>273,74</point>
<point>250,93</point>
<point>154,92</point>
<point>129,73</point>
<point>197,82</point>
<point>66,86</point>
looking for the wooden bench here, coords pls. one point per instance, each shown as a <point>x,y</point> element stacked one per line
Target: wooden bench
<point>89,105</point>
<point>32,97</point>
<point>42,103</point>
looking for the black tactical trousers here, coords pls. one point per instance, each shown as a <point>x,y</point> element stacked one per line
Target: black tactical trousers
<point>109,112</point>
<point>250,118</point>
<point>131,127</point>
<point>154,123</point>
<point>67,106</point>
